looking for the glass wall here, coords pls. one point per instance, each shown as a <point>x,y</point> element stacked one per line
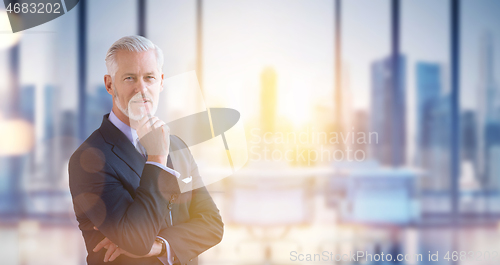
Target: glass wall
<point>316,180</point>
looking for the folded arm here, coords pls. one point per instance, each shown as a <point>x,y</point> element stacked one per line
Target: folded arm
<point>203,230</point>
<point>132,223</point>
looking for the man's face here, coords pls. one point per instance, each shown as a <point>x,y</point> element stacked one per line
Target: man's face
<point>137,83</point>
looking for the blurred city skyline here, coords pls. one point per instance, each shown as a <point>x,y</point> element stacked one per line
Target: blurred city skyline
<point>274,62</point>
<point>271,45</point>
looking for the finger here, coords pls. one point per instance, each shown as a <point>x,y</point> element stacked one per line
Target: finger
<point>140,123</point>
<point>107,245</point>
<point>147,127</point>
<point>146,122</point>
<point>158,124</point>
<point>101,244</point>
<point>149,123</point>
<point>152,122</point>
<point>109,252</point>
<point>115,254</point>
<point>166,131</point>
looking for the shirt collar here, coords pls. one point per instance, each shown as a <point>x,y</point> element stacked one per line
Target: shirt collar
<point>124,128</point>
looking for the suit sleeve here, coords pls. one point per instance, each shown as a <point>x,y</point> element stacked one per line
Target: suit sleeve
<point>130,222</point>
<point>204,228</point>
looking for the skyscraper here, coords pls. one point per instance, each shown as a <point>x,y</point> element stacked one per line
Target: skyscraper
<point>492,142</point>
<point>438,161</point>
<point>488,117</point>
<point>21,165</point>
<point>469,135</point>
<point>50,145</point>
<point>68,134</point>
<point>50,97</point>
<point>27,112</point>
<point>27,103</point>
<point>268,98</point>
<point>360,124</point>
<point>383,104</point>
<point>432,117</point>
<point>98,104</point>
<point>428,77</point>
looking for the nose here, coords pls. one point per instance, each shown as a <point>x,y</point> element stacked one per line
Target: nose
<point>141,86</point>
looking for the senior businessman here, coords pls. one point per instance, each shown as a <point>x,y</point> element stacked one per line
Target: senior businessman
<point>124,180</point>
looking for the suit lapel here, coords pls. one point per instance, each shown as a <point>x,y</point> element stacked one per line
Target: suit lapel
<point>121,146</point>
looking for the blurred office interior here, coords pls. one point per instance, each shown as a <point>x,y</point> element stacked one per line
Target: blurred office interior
<point>371,125</point>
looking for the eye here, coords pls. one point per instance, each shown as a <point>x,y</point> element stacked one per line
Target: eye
<point>128,78</point>
<point>151,77</point>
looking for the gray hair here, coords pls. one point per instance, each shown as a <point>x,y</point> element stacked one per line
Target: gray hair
<point>135,44</point>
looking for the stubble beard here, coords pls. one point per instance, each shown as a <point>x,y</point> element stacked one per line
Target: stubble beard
<point>126,110</point>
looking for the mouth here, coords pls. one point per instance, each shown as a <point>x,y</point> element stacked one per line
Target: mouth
<point>143,101</point>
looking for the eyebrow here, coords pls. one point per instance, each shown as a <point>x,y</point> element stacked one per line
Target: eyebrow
<point>126,74</point>
<point>132,74</point>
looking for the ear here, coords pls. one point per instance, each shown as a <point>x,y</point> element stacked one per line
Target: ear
<point>108,82</point>
<point>161,83</point>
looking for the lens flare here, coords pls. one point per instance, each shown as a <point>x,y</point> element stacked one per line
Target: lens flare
<point>7,38</point>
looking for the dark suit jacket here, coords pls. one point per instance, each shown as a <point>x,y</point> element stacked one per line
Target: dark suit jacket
<point>130,201</point>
